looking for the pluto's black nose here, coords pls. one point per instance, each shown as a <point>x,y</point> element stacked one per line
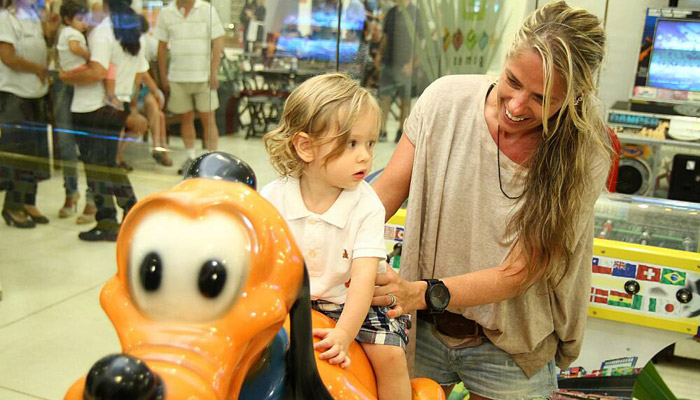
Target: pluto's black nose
<point>122,377</point>
<point>220,165</point>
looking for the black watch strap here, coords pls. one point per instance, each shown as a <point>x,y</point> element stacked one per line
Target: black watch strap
<point>437,296</point>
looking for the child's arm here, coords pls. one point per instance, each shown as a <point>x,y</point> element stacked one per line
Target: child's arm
<point>337,341</point>
<point>75,48</point>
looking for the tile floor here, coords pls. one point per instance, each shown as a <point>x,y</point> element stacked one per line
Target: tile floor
<point>52,328</point>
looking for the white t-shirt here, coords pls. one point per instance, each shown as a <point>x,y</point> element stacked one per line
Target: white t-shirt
<point>189,40</point>
<point>352,228</point>
<point>106,49</point>
<point>22,29</point>
<point>67,59</point>
<point>124,88</point>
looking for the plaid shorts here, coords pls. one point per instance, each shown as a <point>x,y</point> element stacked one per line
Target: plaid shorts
<point>377,327</point>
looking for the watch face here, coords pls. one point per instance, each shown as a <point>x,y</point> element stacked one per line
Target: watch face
<point>439,297</point>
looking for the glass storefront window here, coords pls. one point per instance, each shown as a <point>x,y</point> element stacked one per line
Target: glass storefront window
<point>105,102</point>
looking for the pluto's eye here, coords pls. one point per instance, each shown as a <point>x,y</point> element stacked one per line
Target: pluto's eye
<point>151,272</point>
<point>184,269</point>
<point>212,277</point>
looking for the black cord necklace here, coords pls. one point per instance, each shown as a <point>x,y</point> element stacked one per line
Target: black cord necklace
<point>498,157</point>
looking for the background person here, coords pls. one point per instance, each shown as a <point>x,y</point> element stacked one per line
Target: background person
<point>24,34</point>
<point>193,31</point>
<point>116,40</point>
<point>528,158</point>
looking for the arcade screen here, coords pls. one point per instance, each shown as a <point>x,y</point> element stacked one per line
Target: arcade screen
<point>321,39</point>
<point>668,66</point>
<point>675,57</point>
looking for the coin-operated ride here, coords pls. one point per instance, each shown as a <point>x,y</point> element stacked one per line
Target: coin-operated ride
<point>211,302</point>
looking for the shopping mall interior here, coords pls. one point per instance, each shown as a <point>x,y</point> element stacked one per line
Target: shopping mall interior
<point>642,339</point>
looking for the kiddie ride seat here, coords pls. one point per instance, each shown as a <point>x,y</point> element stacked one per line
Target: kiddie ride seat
<point>208,274</point>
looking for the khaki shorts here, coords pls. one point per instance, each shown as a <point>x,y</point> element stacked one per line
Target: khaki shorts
<point>186,96</point>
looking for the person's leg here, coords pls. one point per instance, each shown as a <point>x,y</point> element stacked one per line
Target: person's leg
<point>181,102</point>
<point>210,131</point>
<point>67,147</point>
<point>490,373</point>
<point>15,145</point>
<point>391,370</point>
<point>433,359</point>
<point>136,128</point>
<point>206,103</point>
<point>188,137</point>
<point>153,114</point>
<point>99,163</point>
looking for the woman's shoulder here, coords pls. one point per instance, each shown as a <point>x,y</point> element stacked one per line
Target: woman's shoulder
<point>458,83</point>
<point>453,88</point>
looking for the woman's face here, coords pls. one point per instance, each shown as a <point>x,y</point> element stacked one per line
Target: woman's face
<point>521,93</point>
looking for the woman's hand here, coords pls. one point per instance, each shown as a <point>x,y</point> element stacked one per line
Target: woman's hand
<point>410,296</point>
<point>336,343</point>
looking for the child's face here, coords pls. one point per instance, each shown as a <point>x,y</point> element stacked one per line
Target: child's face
<point>353,165</point>
<point>79,22</point>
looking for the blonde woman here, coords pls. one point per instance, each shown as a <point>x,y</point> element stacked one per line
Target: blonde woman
<point>501,180</point>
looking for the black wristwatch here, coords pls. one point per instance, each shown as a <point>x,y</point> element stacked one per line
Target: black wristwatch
<point>437,296</point>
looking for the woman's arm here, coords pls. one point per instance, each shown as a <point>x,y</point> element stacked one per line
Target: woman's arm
<point>471,289</point>
<point>393,184</point>
<point>94,73</point>
<point>10,58</point>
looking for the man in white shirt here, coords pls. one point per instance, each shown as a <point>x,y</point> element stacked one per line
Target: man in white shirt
<point>193,32</point>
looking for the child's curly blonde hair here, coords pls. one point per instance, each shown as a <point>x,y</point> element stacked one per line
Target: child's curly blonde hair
<point>325,107</point>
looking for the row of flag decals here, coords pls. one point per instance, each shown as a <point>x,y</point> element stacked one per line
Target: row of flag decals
<point>640,272</point>
<point>650,304</point>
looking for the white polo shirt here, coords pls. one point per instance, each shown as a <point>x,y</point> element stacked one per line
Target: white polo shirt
<point>353,227</point>
<point>23,31</point>
<point>189,40</point>
<point>106,49</point>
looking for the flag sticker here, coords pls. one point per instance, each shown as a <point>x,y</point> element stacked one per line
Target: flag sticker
<point>663,306</point>
<point>623,269</point>
<point>599,296</point>
<point>647,273</point>
<point>673,277</point>
<point>601,269</point>
<point>620,299</point>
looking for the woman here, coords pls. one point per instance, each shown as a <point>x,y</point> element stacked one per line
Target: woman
<point>501,180</point>
<point>116,40</point>
<point>23,90</point>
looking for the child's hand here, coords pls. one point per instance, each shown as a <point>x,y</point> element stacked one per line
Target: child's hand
<point>336,342</point>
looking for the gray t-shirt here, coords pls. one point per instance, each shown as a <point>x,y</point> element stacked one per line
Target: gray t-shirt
<point>457,219</point>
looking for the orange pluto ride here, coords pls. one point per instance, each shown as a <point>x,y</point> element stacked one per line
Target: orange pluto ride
<point>211,302</point>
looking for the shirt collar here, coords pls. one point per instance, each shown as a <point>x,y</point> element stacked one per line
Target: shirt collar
<point>173,5</point>
<point>337,215</point>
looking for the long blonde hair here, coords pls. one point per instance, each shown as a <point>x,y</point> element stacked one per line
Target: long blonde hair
<point>325,107</point>
<point>571,43</point>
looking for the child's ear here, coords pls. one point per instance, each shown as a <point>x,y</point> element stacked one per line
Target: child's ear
<point>302,144</point>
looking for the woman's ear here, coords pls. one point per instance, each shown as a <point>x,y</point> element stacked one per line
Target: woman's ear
<point>303,146</point>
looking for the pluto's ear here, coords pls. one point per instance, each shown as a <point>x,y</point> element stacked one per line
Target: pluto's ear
<point>220,165</point>
<point>301,363</point>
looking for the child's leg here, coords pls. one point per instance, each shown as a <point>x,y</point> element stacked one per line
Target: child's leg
<point>391,369</point>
